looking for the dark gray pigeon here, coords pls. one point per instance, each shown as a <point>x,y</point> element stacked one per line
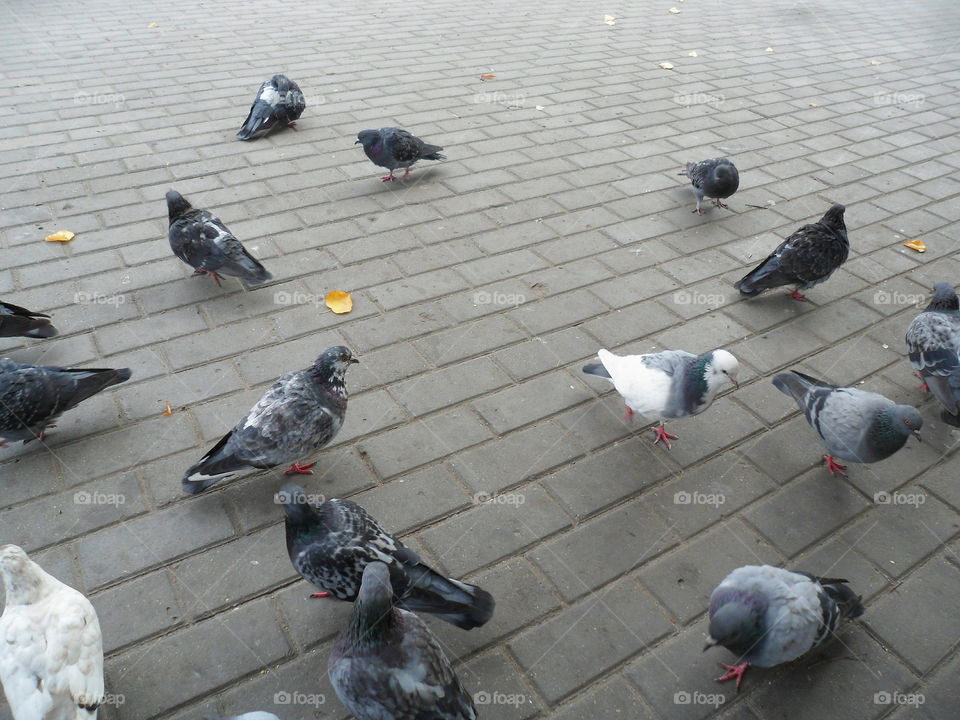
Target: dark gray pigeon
<point>666,385</point>
<point>299,414</point>
<point>33,396</point>
<point>854,425</point>
<point>716,179</point>
<point>933,344</point>
<point>806,258</point>
<point>279,103</point>
<point>766,615</point>
<point>16,321</point>
<point>387,665</point>
<point>204,243</point>
<point>394,148</point>
<point>330,544</point>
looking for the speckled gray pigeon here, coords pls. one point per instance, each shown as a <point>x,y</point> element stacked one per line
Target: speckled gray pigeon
<point>387,665</point>
<point>330,544</point>
<point>767,615</point>
<point>394,148</point>
<point>16,321</point>
<point>933,344</point>
<point>806,258</point>
<point>666,385</point>
<point>299,414</point>
<point>279,103</point>
<point>204,243</point>
<point>716,179</point>
<point>33,396</point>
<point>854,425</point>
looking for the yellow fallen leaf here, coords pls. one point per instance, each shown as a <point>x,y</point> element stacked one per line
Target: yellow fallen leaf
<point>340,302</point>
<point>488,76</point>
<point>666,66</point>
<point>769,49</point>
<point>540,107</point>
<point>168,412</point>
<point>874,62</point>
<point>917,245</point>
<point>814,105</point>
<point>61,236</point>
<point>609,19</point>
<point>153,25</point>
<point>674,11</point>
<point>692,53</point>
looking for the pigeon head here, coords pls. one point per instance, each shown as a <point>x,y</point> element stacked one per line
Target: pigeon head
<point>721,367</point>
<point>330,368</point>
<point>296,504</point>
<point>944,297</point>
<point>20,576</point>
<point>368,138</point>
<point>737,625</point>
<point>725,178</point>
<point>834,217</point>
<point>177,205</point>
<point>895,425</point>
<point>373,613</point>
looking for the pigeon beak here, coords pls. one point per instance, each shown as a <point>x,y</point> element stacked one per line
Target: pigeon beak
<point>710,643</point>
<point>354,360</point>
<point>916,434</point>
<point>357,142</point>
<point>735,383</point>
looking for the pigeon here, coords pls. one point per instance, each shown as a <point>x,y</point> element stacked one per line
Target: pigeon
<point>717,179</point>
<point>394,148</point>
<point>331,543</point>
<point>204,243</point>
<point>279,102</point>
<point>767,615</point>
<point>33,396</point>
<point>299,414</point>
<point>854,425</point>
<point>933,344</point>
<point>668,384</point>
<point>806,258</point>
<point>16,321</point>
<point>51,666</point>
<point>387,665</point>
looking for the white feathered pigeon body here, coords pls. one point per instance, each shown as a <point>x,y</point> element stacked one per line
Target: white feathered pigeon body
<point>51,665</point>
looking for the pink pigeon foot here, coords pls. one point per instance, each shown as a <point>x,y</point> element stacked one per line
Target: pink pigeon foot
<point>736,671</point>
<point>292,123</point>
<point>629,414</point>
<point>662,434</point>
<point>385,178</point>
<point>697,210</point>
<point>834,467</point>
<point>923,383</point>
<point>406,174</point>
<point>320,595</point>
<point>797,296</point>
<point>43,433</point>
<point>720,204</point>
<point>298,469</point>
<point>216,276</point>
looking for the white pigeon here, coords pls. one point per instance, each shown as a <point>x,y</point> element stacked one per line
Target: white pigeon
<point>666,385</point>
<point>51,665</point>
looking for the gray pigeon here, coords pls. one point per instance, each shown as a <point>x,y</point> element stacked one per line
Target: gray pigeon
<point>767,615</point>
<point>33,396</point>
<point>933,344</point>
<point>331,543</point>
<point>299,414</point>
<point>666,385</point>
<point>854,425</point>
<point>204,243</point>
<point>394,148</point>
<point>806,258</point>
<point>387,665</point>
<point>717,179</point>
<point>279,103</point>
<point>16,321</point>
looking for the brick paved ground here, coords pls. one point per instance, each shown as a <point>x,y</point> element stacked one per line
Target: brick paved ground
<point>557,225</point>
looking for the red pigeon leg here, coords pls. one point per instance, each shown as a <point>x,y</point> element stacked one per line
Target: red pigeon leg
<point>736,671</point>
<point>923,383</point>
<point>834,467</point>
<point>797,296</point>
<point>662,434</point>
<point>385,178</point>
<point>320,595</point>
<point>298,469</point>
